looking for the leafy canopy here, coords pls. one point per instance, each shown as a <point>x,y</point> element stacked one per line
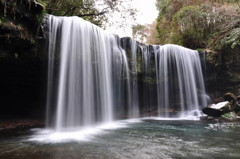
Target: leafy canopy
<point>95,11</point>
<point>199,23</point>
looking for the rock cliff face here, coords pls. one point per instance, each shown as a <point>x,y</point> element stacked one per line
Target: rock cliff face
<point>21,60</point>
<point>223,72</point>
<point>19,26</point>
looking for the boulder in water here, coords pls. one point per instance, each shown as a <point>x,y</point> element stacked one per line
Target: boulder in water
<point>214,110</point>
<point>228,109</point>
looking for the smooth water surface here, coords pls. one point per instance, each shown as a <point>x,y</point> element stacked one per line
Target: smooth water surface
<point>151,139</point>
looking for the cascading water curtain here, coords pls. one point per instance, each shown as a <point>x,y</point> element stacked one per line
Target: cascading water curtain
<point>95,77</point>
<point>180,81</point>
<point>89,71</point>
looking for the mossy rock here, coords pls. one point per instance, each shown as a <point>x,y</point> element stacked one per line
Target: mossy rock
<point>231,116</point>
<point>229,97</point>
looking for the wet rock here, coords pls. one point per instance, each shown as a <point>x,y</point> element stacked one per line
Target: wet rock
<point>230,116</point>
<point>233,105</point>
<point>214,109</point>
<point>19,26</point>
<point>229,97</point>
<point>21,123</point>
<point>223,71</point>
<point>22,58</point>
<point>228,110</point>
<point>212,112</point>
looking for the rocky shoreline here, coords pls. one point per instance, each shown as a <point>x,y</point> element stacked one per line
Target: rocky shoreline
<point>219,119</point>
<point>17,126</point>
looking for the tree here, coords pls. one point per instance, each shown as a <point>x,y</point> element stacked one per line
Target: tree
<point>139,32</point>
<point>151,33</point>
<point>145,33</point>
<point>198,23</point>
<point>95,11</point>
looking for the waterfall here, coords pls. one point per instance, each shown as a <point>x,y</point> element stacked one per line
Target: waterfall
<point>84,94</point>
<point>95,77</point>
<point>180,80</point>
<point>130,46</point>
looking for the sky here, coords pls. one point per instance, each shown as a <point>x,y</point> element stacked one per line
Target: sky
<point>146,14</point>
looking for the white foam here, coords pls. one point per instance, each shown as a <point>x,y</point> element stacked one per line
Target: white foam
<point>218,105</point>
<point>171,119</point>
<point>52,136</point>
<point>88,133</point>
<point>77,134</point>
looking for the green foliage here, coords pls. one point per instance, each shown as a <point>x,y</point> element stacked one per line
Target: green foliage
<point>16,55</point>
<point>40,17</point>
<point>1,20</point>
<point>95,11</point>
<point>186,15</point>
<point>43,2</point>
<point>151,33</point>
<point>163,6</point>
<point>191,21</point>
<point>231,1</point>
<point>138,32</point>
<point>66,7</point>
<point>137,27</point>
<point>233,39</point>
<point>198,23</point>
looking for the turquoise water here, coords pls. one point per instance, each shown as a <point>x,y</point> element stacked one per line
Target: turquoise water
<point>148,139</point>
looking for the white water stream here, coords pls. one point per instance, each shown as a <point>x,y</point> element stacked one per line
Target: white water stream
<point>95,77</point>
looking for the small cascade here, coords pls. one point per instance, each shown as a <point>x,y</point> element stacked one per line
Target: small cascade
<point>180,80</point>
<point>95,77</point>
<point>130,46</point>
